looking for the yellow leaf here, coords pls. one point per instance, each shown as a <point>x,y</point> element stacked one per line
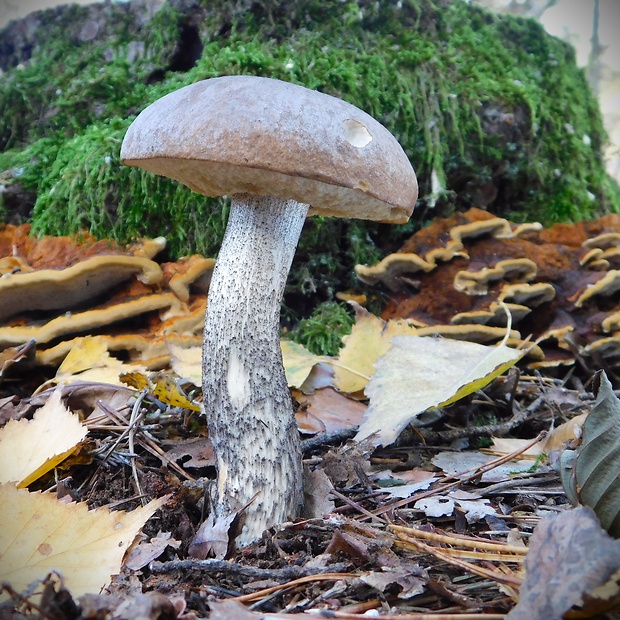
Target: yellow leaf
<point>369,339</point>
<point>420,373</point>
<point>89,360</point>
<point>90,352</point>
<point>167,391</point>
<point>30,448</point>
<point>137,380</point>
<point>163,387</point>
<point>298,362</point>
<point>38,533</point>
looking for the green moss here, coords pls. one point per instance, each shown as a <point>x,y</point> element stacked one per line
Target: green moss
<point>477,99</point>
<point>87,182</point>
<point>323,330</point>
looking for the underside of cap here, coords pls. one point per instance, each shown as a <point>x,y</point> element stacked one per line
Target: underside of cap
<point>246,134</point>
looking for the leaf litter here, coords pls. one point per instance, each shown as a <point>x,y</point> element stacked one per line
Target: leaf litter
<point>379,537</point>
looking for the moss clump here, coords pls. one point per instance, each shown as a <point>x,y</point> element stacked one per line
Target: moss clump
<point>323,330</point>
<point>491,108</point>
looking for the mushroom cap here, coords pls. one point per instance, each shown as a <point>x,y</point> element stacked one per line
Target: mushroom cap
<point>247,134</point>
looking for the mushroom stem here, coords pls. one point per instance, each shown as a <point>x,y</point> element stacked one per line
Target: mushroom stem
<point>246,398</point>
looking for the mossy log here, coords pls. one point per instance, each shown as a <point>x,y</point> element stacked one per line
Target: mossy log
<point>492,111</point>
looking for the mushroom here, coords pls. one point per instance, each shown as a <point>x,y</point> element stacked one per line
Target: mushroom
<point>281,152</point>
<point>56,289</point>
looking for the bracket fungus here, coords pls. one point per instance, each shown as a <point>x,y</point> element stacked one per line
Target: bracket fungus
<point>65,288</point>
<point>281,152</point>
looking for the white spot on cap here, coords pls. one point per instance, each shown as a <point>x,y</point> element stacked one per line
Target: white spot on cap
<point>355,133</point>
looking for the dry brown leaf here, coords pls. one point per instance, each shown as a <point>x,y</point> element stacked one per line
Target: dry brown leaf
<point>145,552</point>
<point>30,448</point>
<point>38,533</point>
<point>23,354</point>
<point>555,440</point>
<point>571,561</point>
<point>327,410</point>
<point>198,449</point>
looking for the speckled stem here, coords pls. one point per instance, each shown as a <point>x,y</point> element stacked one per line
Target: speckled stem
<point>246,398</point>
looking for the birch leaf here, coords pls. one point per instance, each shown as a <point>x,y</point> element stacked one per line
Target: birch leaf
<point>591,474</point>
<point>89,360</point>
<point>38,533</point>
<point>369,339</point>
<point>420,373</point>
<point>298,362</point>
<point>30,448</point>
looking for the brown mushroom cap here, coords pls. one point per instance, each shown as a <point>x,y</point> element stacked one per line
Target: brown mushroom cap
<point>247,134</point>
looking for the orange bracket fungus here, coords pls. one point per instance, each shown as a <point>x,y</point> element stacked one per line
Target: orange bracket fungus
<point>282,152</point>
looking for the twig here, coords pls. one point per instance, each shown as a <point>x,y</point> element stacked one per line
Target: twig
<point>241,570</point>
<point>460,478</point>
<point>134,421</point>
<point>323,439</point>
<point>446,556</point>
<point>356,506</point>
<point>468,542</point>
<point>246,598</point>
<point>433,437</point>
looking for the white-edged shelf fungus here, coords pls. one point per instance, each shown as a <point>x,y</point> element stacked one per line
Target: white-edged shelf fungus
<point>561,285</point>
<point>56,290</point>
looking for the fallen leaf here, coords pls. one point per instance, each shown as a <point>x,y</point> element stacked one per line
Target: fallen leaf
<point>409,584</point>
<point>30,448</point>
<point>298,362</point>
<point>199,449</point>
<point>474,506</point>
<point>406,483</point>
<point>168,391</point>
<point>137,380</point>
<point>564,434</point>
<point>90,352</point>
<point>508,445</point>
<point>436,506</point>
<point>370,338</point>
<point>571,561</point>
<point>232,610</point>
<point>327,410</point>
<point>89,360</point>
<point>555,440</point>
<point>317,500</point>
<point>212,538</point>
<point>23,354</point>
<point>460,464</point>
<point>38,534</point>
<point>591,474</point>
<point>145,552</point>
<point>420,373</point>
<point>162,386</point>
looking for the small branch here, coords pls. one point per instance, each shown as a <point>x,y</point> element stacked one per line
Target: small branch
<point>240,570</point>
<point>324,439</point>
<point>432,437</point>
